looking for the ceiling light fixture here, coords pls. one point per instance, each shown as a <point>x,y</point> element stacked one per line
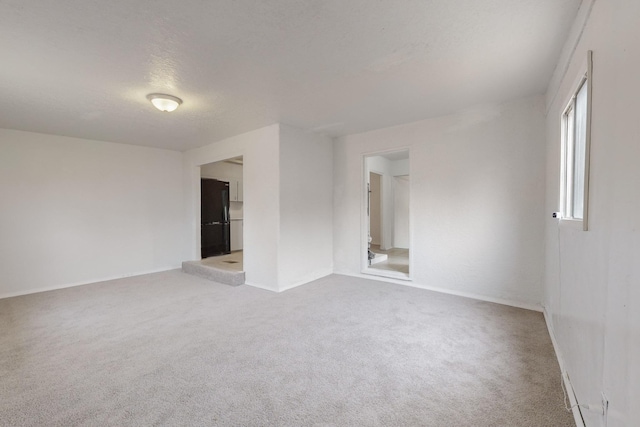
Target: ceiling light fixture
<point>164,102</point>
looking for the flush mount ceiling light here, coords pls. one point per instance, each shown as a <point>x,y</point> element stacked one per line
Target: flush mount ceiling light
<point>164,102</point>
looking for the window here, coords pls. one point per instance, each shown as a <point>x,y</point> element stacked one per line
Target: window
<point>575,152</point>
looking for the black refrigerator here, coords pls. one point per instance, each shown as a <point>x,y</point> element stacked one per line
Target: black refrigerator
<point>214,221</point>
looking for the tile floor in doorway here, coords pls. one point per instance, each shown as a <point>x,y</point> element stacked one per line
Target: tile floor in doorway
<point>232,261</point>
<point>397,259</point>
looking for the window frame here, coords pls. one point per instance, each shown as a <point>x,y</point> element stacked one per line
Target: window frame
<point>568,144</point>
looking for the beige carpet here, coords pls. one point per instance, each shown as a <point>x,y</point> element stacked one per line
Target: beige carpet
<point>173,349</point>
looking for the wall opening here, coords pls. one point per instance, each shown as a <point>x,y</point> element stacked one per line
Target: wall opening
<point>221,216</point>
<point>386,232</point>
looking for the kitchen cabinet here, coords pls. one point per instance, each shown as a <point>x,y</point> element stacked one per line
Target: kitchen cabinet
<point>236,234</point>
<point>235,191</point>
<point>240,192</point>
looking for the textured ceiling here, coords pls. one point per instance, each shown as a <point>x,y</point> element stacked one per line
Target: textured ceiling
<point>83,67</point>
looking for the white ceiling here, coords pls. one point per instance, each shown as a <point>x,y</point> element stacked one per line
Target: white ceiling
<point>83,67</point>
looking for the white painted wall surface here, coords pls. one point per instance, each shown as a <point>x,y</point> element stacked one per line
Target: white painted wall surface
<point>399,167</point>
<point>399,221</point>
<point>401,212</point>
<point>261,208</point>
<point>476,195</point>
<point>382,167</point>
<point>306,207</point>
<point>375,225</point>
<point>287,208</point>
<point>222,170</point>
<point>76,211</point>
<point>592,280</point>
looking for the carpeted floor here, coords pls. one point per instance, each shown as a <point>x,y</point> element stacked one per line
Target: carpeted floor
<point>173,349</point>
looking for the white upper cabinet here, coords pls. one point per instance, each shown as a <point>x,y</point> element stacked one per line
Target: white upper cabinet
<point>236,234</point>
<point>235,191</point>
<point>240,192</point>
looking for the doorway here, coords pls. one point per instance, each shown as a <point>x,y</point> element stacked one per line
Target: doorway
<point>386,232</point>
<point>375,209</point>
<point>222,222</point>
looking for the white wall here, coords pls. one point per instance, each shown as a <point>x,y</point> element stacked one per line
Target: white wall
<point>375,225</point>
<point>76,211</point>
<point>476,195</point>
<point>222,170</point>
<point>399,222</point>
<point>401,212</point>
<point>592,280</point>
<point>288,213</point>
<point>306,203</point>
<point>399,167</point>
<point>261,232</point>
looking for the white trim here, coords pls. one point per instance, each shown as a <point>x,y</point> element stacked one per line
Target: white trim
<point>587,142</point>
<point>568,51</point>
<point>259,286</point>
<point>91,281</point>
<point>381,153</point>
<point>309,278</point>
<point>502,301</point>
<point>585,76</point>
<point>576,83</point>
<point>386,273</point>
<point>573,402</point>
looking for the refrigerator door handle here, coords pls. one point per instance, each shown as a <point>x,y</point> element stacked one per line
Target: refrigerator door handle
<point>225,205</point>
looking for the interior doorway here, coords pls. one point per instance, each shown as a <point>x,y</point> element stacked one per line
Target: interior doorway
<point>386,236</point>
<point>375,209</point>
<point>222,221</point>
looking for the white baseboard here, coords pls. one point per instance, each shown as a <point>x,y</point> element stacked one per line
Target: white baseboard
<point>319,274</point>
<point>518,304</point>
<point>308,278</point>
<point>259,286</point>
<point>573,402</point>
<point>88,282</point>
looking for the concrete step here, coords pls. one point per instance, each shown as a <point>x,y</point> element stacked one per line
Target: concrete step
<point>228,277</point>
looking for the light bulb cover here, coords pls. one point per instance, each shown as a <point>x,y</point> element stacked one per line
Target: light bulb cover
<point>164,102</point>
